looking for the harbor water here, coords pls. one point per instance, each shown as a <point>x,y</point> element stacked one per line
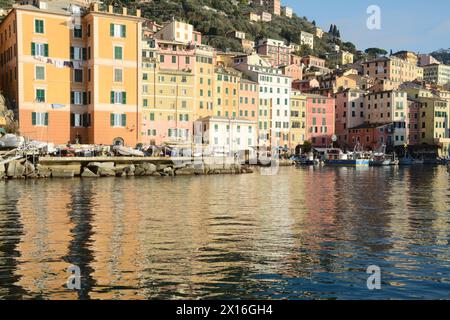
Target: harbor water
<point>301,233</point>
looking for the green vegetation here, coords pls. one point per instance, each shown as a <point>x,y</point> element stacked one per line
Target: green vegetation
<point>215,18</point>
<point>443,55</point>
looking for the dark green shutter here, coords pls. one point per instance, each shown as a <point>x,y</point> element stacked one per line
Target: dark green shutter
<point>112,119</point>
<point>111,30</point>
<point>72,97</point>
<point>46,50</point>
<point>84,54</point>
<point>71,53</point>
<point>46,119</point>
<point>72,119</point>
<point>33,49</point>
<point>84,98</point>
<point>124,31</point>
<point>124,97</point>
<point>85,120</point>
<point>124,120</point>
<point>33,118</point>
<point>112,96</point>
<point>36,26</point>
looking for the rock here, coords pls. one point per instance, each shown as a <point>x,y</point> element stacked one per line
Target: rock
<point>15,169</point>
<point>161,167</point>
<point>106,172</point>
<point>149,168</point>
<point>43,171</point>
<point>129,171</point>
<point>29,168</point>
<point>88,174</point>
<point>139,171</point>
<point>186,171</point>
<point>168,171</point>
<point>95,166</point>
<point>62,173</point>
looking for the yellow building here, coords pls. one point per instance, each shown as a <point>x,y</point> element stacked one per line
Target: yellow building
<point>71,74</point>
<point>204,81</point>
<point>433,116</point>
<point>167,102</point>
<point>227,83</point>
<point>297,132</point>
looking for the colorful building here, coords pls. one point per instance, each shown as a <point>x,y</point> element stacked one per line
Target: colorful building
<point>320,120</point>
<point>297,132</point>
<point>349,114</point>
<point>393,68</point>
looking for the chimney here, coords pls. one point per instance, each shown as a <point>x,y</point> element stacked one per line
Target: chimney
<point>110,9</point>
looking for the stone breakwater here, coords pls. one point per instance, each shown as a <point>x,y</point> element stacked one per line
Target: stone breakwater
<point>117,167</point>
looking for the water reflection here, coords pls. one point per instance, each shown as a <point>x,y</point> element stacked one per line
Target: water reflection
<point>304,233</point>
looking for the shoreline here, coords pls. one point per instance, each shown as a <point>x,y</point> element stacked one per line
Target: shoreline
<point>98,167</point>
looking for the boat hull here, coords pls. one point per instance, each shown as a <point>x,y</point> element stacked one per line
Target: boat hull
<point>349,163</point>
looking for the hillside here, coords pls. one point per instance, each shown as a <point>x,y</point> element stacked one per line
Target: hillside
<point>215,18</point>
<point>443,55</point>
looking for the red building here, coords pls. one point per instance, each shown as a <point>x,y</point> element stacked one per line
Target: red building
<point>371,136</point>
<point>320,120</point>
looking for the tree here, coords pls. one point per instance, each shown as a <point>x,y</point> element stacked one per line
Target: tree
<point>375,52</point>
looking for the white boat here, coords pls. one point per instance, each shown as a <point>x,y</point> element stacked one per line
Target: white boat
<point>128,152</point>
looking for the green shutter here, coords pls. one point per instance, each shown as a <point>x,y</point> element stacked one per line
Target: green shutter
<point>46,50</point>
<point>72,119</point>
<point>84,54</point>
<point>112,96</point>
<point>33,49</point>
<point>33,118</point>
<point>36,26</point>
<point>112,119</point>
<point>46,119</point>
<point>124,31</point>
<point>111,29</point>
<point>124,120</point>
<point>71,53</point>
<point>85,119</point>
<point>124,97</point>
<point>72,97</point>
<point>84,98</point>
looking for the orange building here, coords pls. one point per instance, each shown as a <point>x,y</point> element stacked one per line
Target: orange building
<point>73,75</point>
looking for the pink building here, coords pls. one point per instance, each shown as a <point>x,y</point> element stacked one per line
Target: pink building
<point>175,55</point>
<point>349,113</point>
<point>312,61</point>
<point>370,136</point>
<point>414,131</point>
<point>306,85</point>
<point>294,71</point>
<point>320,120</point>
<point>277,52</point>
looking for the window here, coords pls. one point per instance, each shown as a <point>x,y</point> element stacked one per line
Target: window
<point>40,73</point>
<point>118,120</point>
<point>118,75</point>
<point>77,53</point>
<point>118,54</point>
<point>39,49</point>
<point>76,120</point>
<point>38,26</point>
<point>78,97</point>
<point>78,75</point>
<point>118,30</point>
<point>39,118</point>
<point>40,95</point>
<point>161,58</point>
<point>118,97</point>
<point>174,59</point>
<point>77,32</point>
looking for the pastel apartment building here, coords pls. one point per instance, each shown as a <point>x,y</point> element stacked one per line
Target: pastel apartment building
<point>313,62</point>
<point>350,107</point>
<point>73,80</point>
<point>277,52</point>
<point>393,68</point>
<point>274,99</point>
<point>287,12</point>
<point>320,120</point>
<point>436,73</point>
<point>340,58</point>
<point>307,39</point>
<point>389,107</point>
<point>297,132</point>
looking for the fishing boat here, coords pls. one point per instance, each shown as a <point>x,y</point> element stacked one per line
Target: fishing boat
<point>408,161</point>
<point>380,158</point>
<point>335,157</point>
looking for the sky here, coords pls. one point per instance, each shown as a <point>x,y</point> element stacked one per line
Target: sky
<point>420,26</point>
